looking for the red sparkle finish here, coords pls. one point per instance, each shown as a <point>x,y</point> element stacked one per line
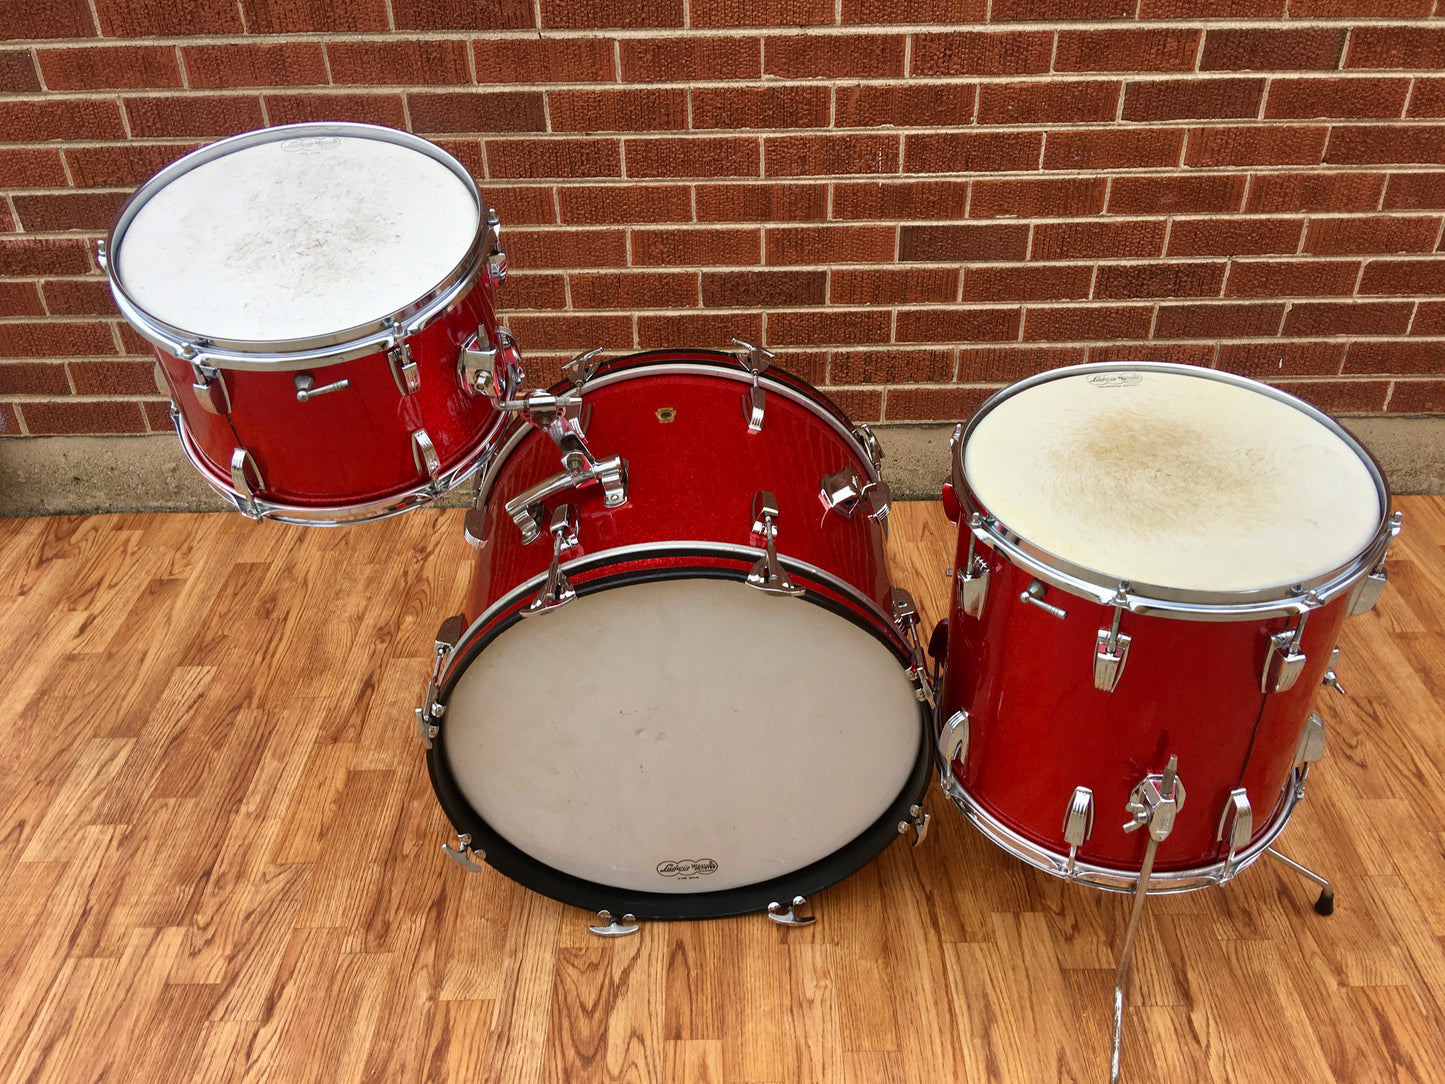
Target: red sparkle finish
<point>693,468</point>
<point>351,446</point>
<point>1038,727</point>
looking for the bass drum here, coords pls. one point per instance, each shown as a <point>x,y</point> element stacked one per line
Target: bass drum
<point>685,688</point>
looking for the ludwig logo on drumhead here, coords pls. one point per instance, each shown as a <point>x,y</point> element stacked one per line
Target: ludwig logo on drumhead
<point>311,144</point>
<point>1114,380</point>
<point>687,869</point>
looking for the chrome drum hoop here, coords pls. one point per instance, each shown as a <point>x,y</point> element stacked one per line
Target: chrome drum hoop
<point>1116,880</point>
<point>675,548</point>
<point>305,353</point>
<point>1089,583</point>
<point>428,492</point>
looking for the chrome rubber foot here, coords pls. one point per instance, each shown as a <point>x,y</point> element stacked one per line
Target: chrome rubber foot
<point>1325,905</point>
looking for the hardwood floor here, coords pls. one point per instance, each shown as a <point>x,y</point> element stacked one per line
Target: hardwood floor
<point>219,862</point>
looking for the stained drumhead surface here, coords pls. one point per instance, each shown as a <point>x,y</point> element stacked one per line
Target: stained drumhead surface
<point>682,736</point>
<point>1173,480</point>
<point>296,238</point>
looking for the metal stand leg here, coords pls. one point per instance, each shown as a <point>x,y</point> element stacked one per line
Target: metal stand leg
<point>1325,905</point>
<point>1126,954</point>
<point>1155,802</point>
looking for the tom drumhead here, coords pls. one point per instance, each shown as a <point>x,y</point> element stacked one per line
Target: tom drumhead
<point>1181,478</point>
<point>295,234</point>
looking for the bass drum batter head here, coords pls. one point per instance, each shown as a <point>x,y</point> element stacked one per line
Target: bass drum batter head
<point>687,735</point>
<point>681,747</point>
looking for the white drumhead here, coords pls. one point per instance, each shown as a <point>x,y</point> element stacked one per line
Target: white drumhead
<point>1174,480</point>
<point>638,736</point>
<point>297,238</point>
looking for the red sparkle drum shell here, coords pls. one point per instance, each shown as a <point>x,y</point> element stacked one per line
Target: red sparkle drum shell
<point>689,732</point>
<point>385,423</point>
<point>312,459</point>
<point>1191,686</point>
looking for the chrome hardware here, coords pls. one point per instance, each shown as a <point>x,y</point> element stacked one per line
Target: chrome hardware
<point>462,853</point>
<point>424,454</point>
<point>953,739</point>
<point>581,368</point>
<point>1330,679</point>
<point>905,619</point>
<point>769,574</point>
<point>403,368</point>
<point>449,632</point>
<point>1155,802</point>
<point>1367,592</point>
<point>306,389</point>
<point>870,445</point>
<point>1242,826</point>
<point>1284,661</point>
<point>1111,648</point>
<point>1078,822</point>
<point>561,417</point>
<point>102,258</point>
<point>478,372</point>
<point>558,589</point>
<point>755,401</point>
<point>496,258</point>
<point>1325,905</point>
<point>918,821</point>
<point>474,527</point>
<point>973,576</point>
<point>209,386</point>
<point>241,463</point>
<point>427,730</point>
<point>609,473</point>
<point>1034,594</point>
<point>842,493</point>
<point>1311,746</point>
<point>788,916</point>
<point>477,365</point>
<point>446,640</point>
<point>613,927</point>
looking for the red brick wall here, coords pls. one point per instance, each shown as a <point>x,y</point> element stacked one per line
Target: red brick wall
<point>912,201</point>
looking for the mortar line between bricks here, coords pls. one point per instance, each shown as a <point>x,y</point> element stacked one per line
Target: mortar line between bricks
<point>898,29</point>
<point>767,83</point>
<point>1322,169</point>
<point>859,307</point>
<point>879,265</point>
<point>1007,346</point>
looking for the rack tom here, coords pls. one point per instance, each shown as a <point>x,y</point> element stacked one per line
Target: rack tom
<point>310,291</point>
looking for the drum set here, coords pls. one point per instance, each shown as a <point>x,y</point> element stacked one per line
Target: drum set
<point>680,599</point>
